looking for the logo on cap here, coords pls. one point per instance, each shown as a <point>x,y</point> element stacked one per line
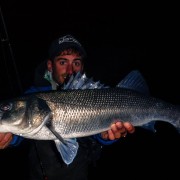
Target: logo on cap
<point>68,39</point>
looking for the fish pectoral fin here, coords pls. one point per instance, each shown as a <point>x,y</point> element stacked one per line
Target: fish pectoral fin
<point>68,150</point>
<point>51,128</point>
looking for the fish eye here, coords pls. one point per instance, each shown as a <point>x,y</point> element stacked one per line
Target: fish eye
<point>6,107</point>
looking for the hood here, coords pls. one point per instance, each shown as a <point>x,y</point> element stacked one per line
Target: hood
<point>39,79</point>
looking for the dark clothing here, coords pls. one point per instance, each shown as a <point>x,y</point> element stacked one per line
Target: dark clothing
<point>45,162</point>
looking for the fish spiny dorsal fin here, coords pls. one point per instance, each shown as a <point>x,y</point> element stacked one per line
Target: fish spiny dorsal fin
<point>135,81</point>
<point>80,81</point>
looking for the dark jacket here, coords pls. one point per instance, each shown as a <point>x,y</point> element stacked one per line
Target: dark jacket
<point>45,162</point>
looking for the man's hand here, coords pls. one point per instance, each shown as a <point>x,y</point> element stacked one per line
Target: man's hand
<point>5,139</point>
<point>118,130</point>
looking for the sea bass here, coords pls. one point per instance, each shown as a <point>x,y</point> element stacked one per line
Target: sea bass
<point>83,108</point>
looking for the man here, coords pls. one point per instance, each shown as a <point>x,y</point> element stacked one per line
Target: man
<point>66,56</point>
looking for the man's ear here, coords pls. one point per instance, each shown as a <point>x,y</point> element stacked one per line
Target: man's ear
<point>49,65</point>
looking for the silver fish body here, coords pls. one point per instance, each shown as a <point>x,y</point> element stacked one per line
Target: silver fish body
<point>79,113</point>
<point>84,108</point>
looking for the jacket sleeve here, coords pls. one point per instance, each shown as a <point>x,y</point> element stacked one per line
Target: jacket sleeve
<point>103,141</point>
<point>16,140</point>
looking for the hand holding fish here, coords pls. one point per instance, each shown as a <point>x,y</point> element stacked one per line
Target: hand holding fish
<point>118,130</point>
<point>65,115</point>
<point>5,139</point>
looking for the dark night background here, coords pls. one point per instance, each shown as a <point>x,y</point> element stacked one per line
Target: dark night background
<point>118,38</point>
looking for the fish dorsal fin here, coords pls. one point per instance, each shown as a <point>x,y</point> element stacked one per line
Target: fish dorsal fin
<point>135,81</point>
<point>81,81</point>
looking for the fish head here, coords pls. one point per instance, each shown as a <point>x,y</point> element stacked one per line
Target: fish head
<point>11,114</point>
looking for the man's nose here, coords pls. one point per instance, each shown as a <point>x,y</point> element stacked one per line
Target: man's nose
<point>70,70</point>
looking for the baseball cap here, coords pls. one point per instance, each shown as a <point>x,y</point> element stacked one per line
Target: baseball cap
<point>65,42</point>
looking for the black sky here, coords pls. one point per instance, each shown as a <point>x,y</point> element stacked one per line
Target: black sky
<point>118,38</point>
<point>117,35</point>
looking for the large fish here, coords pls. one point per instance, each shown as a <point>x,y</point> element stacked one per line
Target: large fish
<point>83,108</point>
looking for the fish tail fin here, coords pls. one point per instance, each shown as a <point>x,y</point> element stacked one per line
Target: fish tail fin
<point>150,126</point>
<point>176,124</point>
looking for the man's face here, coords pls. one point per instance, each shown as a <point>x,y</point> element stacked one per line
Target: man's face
<point>64,66</point>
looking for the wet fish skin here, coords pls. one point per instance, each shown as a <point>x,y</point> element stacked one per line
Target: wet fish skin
<point>93,111</point>
<point>79,113</point>
<point>84,108</point>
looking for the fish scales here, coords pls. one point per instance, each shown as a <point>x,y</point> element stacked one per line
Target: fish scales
<point>78,113</point>
<point>85,112</point>
<point>84,108</point>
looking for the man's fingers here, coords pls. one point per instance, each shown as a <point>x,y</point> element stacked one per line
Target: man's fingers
<point>104,135</point>
<point>129,127</point>
<point>118,130</point>
<point>5,139</point>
